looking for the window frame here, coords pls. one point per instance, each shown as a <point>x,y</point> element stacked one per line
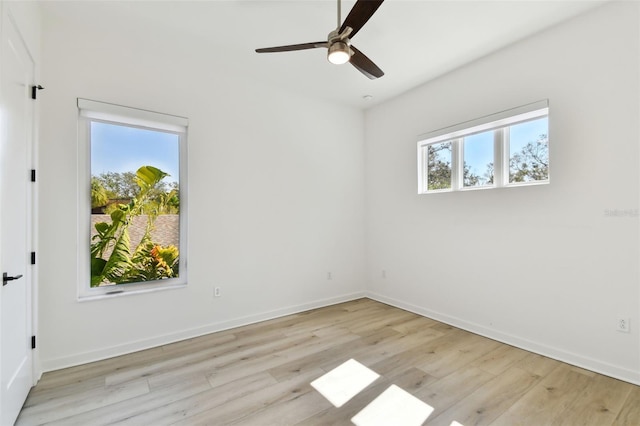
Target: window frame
<point>499,124</point>
<point>425,159</point>
<point>94,111</point>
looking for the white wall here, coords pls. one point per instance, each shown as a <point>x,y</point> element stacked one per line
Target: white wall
<point>276,196</point>
<point>540,267</point>
<point>275,199</point>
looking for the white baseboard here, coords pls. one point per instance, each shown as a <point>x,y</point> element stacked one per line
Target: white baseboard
<point>587,363</point>
<point>597,366</point>
<point>110,352</point>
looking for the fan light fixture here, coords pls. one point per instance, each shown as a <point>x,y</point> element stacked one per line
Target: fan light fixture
<point>338,42</point>
<point>339,53</point>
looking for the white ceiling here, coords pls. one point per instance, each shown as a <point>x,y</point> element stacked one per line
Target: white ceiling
<point>413,41</point>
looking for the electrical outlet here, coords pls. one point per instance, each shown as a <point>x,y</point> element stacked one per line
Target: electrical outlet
<point>329,276</point>
<point>216,292</point>
<point>384,274</point>
<point>623,324</point>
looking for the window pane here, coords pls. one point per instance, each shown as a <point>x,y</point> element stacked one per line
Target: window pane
<point>529,151</point>
<point>135,204</point>
<point>439,166</point>
<point>478,159</point>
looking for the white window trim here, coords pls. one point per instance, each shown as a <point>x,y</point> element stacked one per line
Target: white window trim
<point>498,123</point>
<point>89,111</point>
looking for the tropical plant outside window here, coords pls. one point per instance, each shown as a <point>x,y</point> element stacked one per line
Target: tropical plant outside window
<point>135,204</point>
<point>132,194</point>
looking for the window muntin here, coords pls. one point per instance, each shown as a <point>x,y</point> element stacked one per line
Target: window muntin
<point>483,155</point>
<point>133,218</point>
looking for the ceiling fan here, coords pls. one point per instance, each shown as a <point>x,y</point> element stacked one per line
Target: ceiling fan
<point>340,49</point>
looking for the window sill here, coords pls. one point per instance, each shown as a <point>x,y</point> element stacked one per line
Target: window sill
<point>122,293</point>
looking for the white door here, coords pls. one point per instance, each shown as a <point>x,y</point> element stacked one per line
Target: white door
<point>16,129</point>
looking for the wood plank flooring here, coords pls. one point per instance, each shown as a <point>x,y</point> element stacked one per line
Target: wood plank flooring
<point>259,375</point>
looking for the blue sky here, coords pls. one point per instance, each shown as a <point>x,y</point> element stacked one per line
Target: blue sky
<point>116,148</point>
<point>478,152</point>
<point>522,134</point>
<point>478,149</point>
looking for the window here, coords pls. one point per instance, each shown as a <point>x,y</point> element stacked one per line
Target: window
<point>478,158</point>
<point>132,198</point>
<point>529,151</point>
<point>510,148</point>
<point>438,165</point>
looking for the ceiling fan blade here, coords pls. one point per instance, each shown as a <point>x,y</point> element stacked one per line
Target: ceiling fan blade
<point>365,65</point>
<point>292,47</point>
<point>360,14</point>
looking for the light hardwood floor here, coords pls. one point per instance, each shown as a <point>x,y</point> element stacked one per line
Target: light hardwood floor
<point>260,375</point>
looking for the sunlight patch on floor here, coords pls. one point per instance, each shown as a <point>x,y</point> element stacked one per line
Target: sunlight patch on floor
<point>344,382</point>
<point>393,406</point>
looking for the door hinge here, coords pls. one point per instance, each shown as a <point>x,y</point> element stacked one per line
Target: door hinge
<point>33,342</point>
<point>33,175</point>
<point>33,257</point>
<point>34,91</point>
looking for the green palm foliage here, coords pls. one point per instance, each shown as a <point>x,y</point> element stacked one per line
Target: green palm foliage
<point>112,261</point>
<point>99,195</point>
